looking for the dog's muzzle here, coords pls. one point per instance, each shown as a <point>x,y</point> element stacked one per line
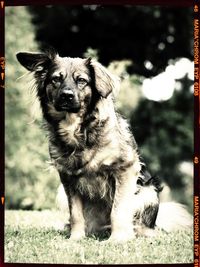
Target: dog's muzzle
<point>67,100</point>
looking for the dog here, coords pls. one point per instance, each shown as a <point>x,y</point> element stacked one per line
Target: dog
<point>94,152</point>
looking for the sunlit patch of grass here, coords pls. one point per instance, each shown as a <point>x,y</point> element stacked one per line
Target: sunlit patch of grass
<point>28,242</point>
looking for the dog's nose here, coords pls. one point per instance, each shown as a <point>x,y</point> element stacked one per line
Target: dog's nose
<point>67,100</point>
<point>66,96</point>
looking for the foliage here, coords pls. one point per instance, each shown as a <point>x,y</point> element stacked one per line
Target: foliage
<point>27,183</point>
<point>164,133</point>
<point>26,242</point>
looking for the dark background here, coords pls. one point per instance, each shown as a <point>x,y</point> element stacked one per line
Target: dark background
<point>118,33</point>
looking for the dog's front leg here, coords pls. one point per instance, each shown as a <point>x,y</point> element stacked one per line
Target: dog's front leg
<point>123,207</point>
<point>77,221</point>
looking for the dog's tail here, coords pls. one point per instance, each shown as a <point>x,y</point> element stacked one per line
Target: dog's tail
<point>173,216</point>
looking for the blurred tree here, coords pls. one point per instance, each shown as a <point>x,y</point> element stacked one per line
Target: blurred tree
<point>147,35</point>
<point>27,183</point>
<point>164,132</point>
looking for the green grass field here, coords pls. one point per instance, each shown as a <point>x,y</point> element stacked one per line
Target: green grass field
<point>36,237</point>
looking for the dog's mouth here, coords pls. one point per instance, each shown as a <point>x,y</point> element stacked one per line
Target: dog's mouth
<point>68,109</point>
<point>72,107</point>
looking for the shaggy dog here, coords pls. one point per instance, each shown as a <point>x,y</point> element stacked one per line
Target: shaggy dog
<point>93,150</point>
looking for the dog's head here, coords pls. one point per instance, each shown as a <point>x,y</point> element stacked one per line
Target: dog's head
<point>68,84</point>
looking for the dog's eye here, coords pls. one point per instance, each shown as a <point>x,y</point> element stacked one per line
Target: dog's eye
<point>56,79</point>
<point>81,81</point>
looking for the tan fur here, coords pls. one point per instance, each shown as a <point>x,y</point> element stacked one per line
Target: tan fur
<point>68,127</point>
<point>106,82</point>
<point>77,220</point>
<point>123,207</point>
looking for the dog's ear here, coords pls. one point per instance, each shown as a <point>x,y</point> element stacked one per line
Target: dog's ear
<point>34,61</point>
<point>105,82</point>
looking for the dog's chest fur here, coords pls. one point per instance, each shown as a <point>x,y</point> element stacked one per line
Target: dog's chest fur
<point>69,129</point>
<point>86,154</point>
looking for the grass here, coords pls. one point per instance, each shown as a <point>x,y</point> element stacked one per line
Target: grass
<point>34,237</point>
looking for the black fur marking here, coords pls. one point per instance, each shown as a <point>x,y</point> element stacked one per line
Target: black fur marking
<point>149,216</point>
<point>146,180</point>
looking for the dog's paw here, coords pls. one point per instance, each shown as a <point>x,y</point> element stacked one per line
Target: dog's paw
<point>77,235</point>
<point>145,231</point>
<point>121,237</point>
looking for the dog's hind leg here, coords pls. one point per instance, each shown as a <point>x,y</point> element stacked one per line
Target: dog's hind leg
<point>146,207</point>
